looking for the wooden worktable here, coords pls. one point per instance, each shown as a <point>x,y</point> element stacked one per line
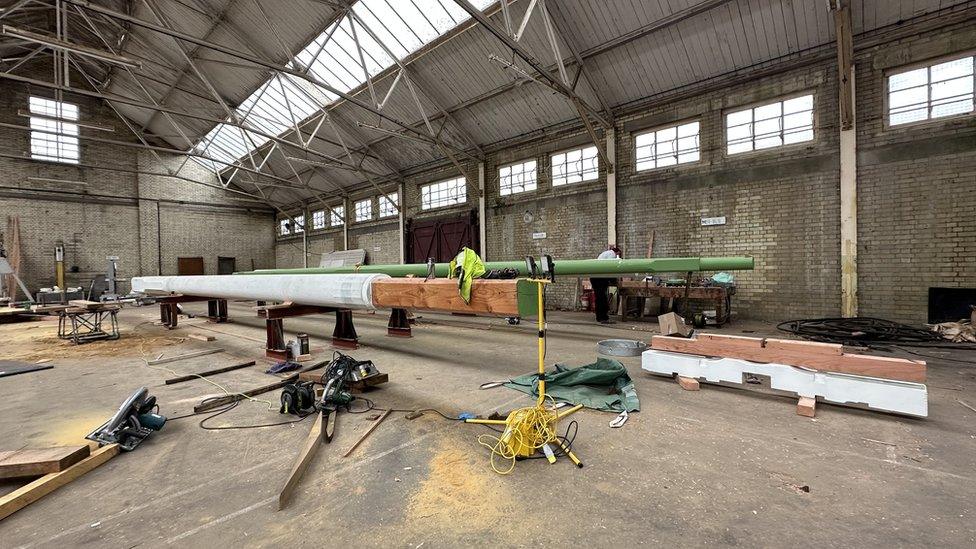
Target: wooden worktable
<point>646,289</point>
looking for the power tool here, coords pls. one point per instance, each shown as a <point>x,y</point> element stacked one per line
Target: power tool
<point>299,398</point>
<point>132,424</point>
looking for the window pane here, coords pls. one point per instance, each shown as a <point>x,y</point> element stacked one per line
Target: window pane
<point>517,178</point>
<point>51,138</point>
<point>942,89</point>
<point>364,210</point>
<point>774,124</point>
<point>910,79</point>
<point>388,205</point>
<point>444,193</point>
<point>338,216</point>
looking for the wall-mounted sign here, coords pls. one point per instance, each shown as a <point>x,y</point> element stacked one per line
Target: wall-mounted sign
<point>538,236</point>
<point>711,221</point>
<point>376,248</point>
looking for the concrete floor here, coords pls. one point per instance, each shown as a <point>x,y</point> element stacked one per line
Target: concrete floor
<point>720,466</point>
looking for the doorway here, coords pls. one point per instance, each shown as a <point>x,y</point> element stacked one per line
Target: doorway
<point>441,238</point>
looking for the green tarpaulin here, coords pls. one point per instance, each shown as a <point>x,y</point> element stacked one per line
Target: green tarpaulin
<point>603,385</point>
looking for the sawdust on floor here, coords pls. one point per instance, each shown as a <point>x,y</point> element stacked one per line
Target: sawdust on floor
<point>461,493</point>
<point>40,341</point>
<point>71,431</point>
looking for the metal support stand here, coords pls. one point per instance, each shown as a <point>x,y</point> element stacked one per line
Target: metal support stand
<point>541,401</point>
<point>275,346</point>
<point>344,335</point>
<point>217,310</point>
<point>399,325</point>
<point>169,314</point>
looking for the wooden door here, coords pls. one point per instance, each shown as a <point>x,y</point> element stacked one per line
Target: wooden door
<point>441,238</point>
<point>189,266</point>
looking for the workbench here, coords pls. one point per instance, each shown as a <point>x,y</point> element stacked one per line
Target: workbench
<point>720,295</point>
<point>90,322</point>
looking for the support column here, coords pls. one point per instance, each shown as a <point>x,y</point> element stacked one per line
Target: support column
<point>611,137</point>
<point>305,224</point>
<point>482,239</point>
<point>402,221</point>
<point>848,158</point>
<point>345,223</point>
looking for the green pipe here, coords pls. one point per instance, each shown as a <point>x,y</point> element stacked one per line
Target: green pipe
<point>565,267</point>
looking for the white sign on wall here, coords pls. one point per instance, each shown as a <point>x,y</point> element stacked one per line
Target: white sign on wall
<point>538,236</point>
<point>376,248</point>
<point>711,221</point>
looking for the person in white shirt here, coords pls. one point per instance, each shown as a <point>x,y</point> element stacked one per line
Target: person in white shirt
<point>602,285</point>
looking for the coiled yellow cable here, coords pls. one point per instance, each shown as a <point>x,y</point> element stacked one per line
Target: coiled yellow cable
<point>526,430</point>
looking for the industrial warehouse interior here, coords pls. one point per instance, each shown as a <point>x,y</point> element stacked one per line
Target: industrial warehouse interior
<point>496,273</point>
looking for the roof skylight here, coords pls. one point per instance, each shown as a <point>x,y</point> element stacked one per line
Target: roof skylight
<point>333,58</point>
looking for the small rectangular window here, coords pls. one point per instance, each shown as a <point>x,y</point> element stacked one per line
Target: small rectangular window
<point>668,146</point>
<point>388,206</point>
<point>575,166</point>
<point>285,227</point>
<point>517,178</point>
<point>444,193</point>
<point>318,219</point>
<point>364,210</point>
<point>938,90</point>
<point>338,216</point>
<point>299,224</point>
<point>770,125</point>
<point>53,135</point>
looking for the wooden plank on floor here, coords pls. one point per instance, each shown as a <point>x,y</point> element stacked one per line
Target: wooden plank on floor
<point>209,372</point>
<point>14,370</point>
<point>312,443</point>
<point>33,462</point>
<point>814,357</point>
<point>371,428</point>
<point>25,495</point>
<point>185,356</point>
<point>201,337</point>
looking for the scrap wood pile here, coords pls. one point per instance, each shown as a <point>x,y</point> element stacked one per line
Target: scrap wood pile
<point>956,332</point>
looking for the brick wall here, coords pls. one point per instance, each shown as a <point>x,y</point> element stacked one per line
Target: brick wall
<point>916,190</point>
<point>137,217</point>
<point>915,194</point>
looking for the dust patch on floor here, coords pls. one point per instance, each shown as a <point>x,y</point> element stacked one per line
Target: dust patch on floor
<point>71,431</point>
<point>461,493</point>
<point>40,341</point>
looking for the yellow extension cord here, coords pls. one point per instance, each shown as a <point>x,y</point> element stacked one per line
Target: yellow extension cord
<point>526,430</point>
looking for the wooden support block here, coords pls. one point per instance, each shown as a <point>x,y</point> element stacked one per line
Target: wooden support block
<point>40,461</point>
<point>688,383</point>
<point>201,337</point>
<point>186,356</point>
<point>494,297</point>
<point>806,407</point>
<point>25,495</point>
